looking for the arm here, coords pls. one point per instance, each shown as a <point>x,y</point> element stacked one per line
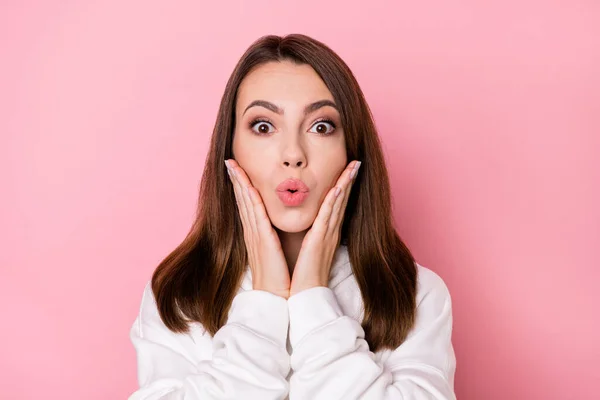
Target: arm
<point>331,359</point>
<point>249,357</point>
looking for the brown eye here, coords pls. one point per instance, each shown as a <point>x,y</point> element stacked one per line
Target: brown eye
<point>261,127</point>
<point>324,128</point>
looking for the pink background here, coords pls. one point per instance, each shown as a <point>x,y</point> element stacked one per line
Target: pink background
<point>489,115</point>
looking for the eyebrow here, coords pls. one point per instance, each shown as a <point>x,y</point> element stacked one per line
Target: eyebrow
<point>307,110</point>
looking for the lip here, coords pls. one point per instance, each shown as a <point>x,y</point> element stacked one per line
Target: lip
<point>292,198</point>
<point>292,184</point>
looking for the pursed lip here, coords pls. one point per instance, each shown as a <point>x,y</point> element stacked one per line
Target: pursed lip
<point>292,184</point>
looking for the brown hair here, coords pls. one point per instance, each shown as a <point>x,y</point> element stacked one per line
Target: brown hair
<point>199,279</point>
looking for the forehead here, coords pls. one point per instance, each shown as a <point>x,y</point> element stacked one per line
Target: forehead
<point>283,83</point>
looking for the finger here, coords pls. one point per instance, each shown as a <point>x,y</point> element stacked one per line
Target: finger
<point>340,214</point>
<point>244,183</point>
<point>263,222</point>
<point>353,176</point>
<point>240,202</point>
<point>345,182</point>
<point>321,223</point>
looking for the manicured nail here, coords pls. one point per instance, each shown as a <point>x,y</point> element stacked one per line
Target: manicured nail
<point>230,168</point>
<point>337,192</point>
<point>354,170</point>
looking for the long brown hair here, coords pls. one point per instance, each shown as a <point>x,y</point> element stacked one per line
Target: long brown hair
<point>198,280</point>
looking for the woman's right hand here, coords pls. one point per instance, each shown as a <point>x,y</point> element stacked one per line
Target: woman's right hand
<point>267,262</point>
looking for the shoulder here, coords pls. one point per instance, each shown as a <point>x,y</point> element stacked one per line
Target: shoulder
<point>432,328</point>
<point>149,321</point>
<point>153,339</point>
<point>432,291</point>
<point>428,345</point>
<point>148,312</point>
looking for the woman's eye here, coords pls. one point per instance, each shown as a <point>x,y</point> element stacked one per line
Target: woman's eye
<point>322,127</point>
<point>261,127</point>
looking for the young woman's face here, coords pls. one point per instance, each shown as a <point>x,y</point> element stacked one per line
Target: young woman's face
<point>281,138</point>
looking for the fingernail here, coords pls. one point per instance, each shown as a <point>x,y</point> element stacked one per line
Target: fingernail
<point>355,170</point>
<point>337,192</point>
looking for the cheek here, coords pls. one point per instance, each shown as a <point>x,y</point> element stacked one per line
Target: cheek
<point>258,167</point>
<point>258,176</point>
<point>255,179</point>
<point>333,175</point>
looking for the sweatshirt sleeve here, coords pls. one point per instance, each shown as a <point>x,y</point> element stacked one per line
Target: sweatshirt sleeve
<point>331,358</point>
<point>246,358</point>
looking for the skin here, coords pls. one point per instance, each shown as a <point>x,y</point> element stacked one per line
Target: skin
<point>288,144</point>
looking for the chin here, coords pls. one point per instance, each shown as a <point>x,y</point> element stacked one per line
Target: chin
<point>293,221</point>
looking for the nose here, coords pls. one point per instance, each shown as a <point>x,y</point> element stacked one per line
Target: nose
<point>293,155</point>
<point>298,163</point>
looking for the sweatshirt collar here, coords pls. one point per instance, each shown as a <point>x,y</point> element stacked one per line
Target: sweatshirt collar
<point>340,269</point>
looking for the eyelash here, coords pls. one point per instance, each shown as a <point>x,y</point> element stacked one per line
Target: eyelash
<point>327,120</point>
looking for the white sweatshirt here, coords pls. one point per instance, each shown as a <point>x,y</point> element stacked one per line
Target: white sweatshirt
<point>325,356</point>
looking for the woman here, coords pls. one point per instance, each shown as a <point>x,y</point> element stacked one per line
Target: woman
<point>289,235</point>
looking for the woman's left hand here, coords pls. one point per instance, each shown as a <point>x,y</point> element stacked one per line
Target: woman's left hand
<point>322,239</point>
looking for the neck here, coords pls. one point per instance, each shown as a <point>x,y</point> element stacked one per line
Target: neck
<point>291,243</point>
